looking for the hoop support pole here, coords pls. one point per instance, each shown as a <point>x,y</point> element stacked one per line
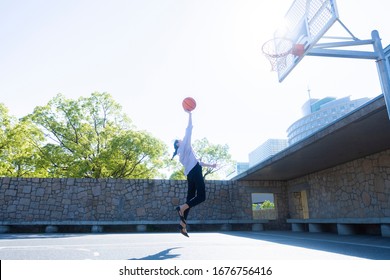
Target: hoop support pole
<point>342,53</point>
<point>382,63</point>
<point>383,69</point>
<point>344,44</point>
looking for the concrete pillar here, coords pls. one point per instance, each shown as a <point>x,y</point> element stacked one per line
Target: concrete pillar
<point>298,227</point>
<point>97,229</point>
<point>141,228</point>
<point>345,229</point>
<point>315,228</point>
<point>51,229</point>
<point>4,229</point>
<point>257,227</point>
<point>385,229</point>
<point>226,227</point>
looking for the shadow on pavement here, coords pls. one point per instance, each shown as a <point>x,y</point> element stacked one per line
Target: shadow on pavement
<point>361,246</point>
<point>163,255</point>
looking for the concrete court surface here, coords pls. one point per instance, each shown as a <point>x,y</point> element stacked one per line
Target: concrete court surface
<point>267,245</point>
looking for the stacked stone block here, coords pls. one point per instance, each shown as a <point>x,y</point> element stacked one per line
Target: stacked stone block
<point>356,189</point>
<point>50,201</point>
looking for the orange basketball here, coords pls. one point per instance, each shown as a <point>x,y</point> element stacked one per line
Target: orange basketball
<point>298,50</point>
<point>189,104</point>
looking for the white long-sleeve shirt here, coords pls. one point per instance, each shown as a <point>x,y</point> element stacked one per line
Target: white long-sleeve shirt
<point>186,153</point>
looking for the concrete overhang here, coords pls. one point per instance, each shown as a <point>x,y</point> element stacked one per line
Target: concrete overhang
<point>360,133</point>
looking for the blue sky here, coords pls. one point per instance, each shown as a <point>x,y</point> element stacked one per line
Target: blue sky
<point>151,54</point>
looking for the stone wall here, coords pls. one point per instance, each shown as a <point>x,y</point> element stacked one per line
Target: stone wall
<point>357,189</point>
<point>80,201</point>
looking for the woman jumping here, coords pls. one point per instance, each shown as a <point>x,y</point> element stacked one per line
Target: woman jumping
<point>196,193</point>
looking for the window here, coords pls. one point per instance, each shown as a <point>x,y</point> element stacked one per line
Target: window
<point>264,206</point>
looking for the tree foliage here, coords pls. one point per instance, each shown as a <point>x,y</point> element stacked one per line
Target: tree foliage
<point>210,153</point>
<point>178,175</point>
<point>214,153</point>
<point>19,147</point>
<point>267,205</point>
<point>91,138</point>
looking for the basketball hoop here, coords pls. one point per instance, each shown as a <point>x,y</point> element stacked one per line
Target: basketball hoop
<point>278,49</point>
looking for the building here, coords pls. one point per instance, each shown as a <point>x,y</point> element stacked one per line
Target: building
<point>266,150</point>
<point>240,167</point>
<point>261,153</point>
<point>335,180</point>
<point>318,113</point>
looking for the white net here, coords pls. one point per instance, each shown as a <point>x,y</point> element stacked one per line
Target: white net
<point>277,50</point>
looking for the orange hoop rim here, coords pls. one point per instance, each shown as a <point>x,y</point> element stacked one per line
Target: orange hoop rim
<point>277,47</point>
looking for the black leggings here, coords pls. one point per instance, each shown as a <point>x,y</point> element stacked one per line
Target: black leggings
<point>196,188</point>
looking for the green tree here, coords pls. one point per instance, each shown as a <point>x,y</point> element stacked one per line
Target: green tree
<point>178,175</point>
<point>267,205</point>
<point>91,138</point>
<point>210,153</point>
<point>214,153</point>
<point>19,147</point>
